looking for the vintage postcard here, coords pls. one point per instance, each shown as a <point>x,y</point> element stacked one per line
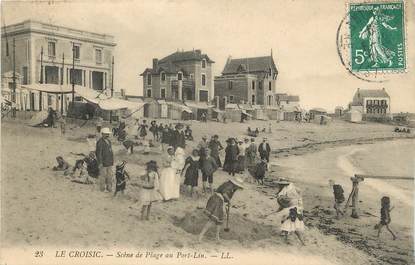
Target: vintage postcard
<point>207,132</point>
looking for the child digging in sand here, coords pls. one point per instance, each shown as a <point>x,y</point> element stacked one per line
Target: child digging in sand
<point>385,218</point>
<point>150,189</point>
<point>338,197</point>
<point>215,204</point>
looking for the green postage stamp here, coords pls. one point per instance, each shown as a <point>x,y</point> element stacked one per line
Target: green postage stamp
<point>377,36</point>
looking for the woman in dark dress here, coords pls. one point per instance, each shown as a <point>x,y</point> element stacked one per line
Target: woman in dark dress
<point>165,140</point>
<point>231,157</point>
<point>143,129</point>
<point>191,171</point>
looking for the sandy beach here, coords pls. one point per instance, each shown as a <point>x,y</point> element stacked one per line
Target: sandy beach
<point>43,208</point>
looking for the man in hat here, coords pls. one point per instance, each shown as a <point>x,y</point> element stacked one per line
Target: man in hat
<point>216,202</point>
<point>203,144</point>
<point>179,137</point>
<point>105,159</point>
<point>215,147</point>
<point>251,154</point>
<point>264,149</point>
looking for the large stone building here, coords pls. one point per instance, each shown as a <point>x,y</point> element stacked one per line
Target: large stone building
<point>371,102</point>
<point>181,76</point>
<point>44,53</point>
<point>247,80</point>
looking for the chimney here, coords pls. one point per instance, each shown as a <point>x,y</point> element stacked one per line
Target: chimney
<point>198,51</point>
<point>229,59</point>
<point>155,63</point>
<point>383,89</point>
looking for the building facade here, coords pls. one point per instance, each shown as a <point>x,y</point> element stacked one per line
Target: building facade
<point>247,81</point>
<point>44,54</point>
<point>181,76</point>
<point>372,102</point>
<point>286,101</point>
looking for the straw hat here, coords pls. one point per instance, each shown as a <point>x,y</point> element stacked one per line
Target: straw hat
<point>238,182</point>
<point>283,181</point>
<point>105,130</point>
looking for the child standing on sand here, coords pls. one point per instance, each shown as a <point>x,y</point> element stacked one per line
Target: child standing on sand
<point>338,197</point>
<point>209,167</point>
<point>120,177</point>
<point>150,189</point>
<point>191,171</point>
<point>385,218</point>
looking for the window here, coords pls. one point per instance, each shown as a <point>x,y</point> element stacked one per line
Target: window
<point>51,48</point>
<point>203,96</point>
<point>230,84</point>
<point>179,76</point>
<point>49,100</point>
<point>98,56</point>
<point>163,93</point>
<point>203,80</point>
<point>149,79</point>
<point>231,99</point>
<point>76,52</point>
<point>369,102</point>
<point>191,76</point>
<point>149,93</point>
<point>253,100</point>
<point>25,75</point>
<point>203,63</point>
<point>269,85</point>
<point>253,85</point>
<point>163,76</point>
<point>260,85</point>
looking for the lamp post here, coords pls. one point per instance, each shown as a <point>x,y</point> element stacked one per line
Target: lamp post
<point>73,73</point>
<point>13,94</point>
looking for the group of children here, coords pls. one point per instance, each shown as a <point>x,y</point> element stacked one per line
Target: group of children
<point>385,210</point>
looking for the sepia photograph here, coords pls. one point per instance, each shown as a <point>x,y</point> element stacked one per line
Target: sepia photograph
<point>207,132</point>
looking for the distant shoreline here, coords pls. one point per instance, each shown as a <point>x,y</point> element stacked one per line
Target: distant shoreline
<point>319,146</point>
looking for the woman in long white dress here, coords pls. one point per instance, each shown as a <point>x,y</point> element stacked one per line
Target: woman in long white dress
<point>170,174</point>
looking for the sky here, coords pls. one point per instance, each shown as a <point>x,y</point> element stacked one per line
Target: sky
<point>301,34</point>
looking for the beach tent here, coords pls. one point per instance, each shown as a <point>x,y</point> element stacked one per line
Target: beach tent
<point>354,116</point>
<point>39,118</point>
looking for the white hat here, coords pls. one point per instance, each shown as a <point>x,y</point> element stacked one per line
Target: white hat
<point>238,182</point>
<point>105,130</point>
<point>283,181</point>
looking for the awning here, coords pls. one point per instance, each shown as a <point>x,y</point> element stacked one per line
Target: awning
<point>218,110</point>
<point>198,105</point>
<point>90,94</point>
<point>231,106</point>
<point>246,113</point>
<point>116,103</point>
<point>50,88</point>
<point>183,107</point>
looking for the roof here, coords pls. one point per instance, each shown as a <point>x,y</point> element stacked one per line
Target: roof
<point>372,93</point>
<point>318,110</point>
<point>178,56</point>
<point>285,97</point>
<point>254,64</point>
